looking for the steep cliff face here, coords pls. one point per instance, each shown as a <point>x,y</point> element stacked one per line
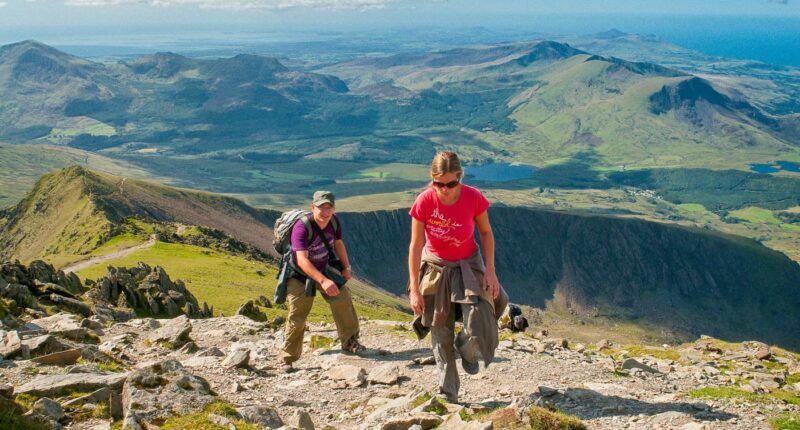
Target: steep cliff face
<point>685,280</point>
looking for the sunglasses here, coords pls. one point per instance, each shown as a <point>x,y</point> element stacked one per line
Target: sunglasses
<point>451,184</point>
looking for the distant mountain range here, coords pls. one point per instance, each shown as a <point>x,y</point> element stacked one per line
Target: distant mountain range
<point>559,99</point>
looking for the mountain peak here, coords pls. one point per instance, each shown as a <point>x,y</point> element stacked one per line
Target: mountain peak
<point>26,49</point>
<point>73,210</point>
<point>35,61</point>
<point>547,50</point>
<point>683,97</point>
<point>611,34</point>
<point>638,68</point>
<point>245,67</point>
<point>161,64</point>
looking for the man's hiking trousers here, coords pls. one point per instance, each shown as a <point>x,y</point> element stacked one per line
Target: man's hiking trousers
<point>344,315</point>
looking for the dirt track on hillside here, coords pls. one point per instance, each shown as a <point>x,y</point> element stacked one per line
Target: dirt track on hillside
<point>74,267</point>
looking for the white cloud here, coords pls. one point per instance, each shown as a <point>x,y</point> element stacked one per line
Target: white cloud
<point>2,3</point>
<point>243,4</point>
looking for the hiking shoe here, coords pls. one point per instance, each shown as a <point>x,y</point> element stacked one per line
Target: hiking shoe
<point>287,368</point>
<point>448,398</point>
<point>353,346</point>
<point>471,367</point>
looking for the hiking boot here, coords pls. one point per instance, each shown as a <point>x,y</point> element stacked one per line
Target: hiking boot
<point>353,346</point>
<point>448,398</point>
<point>471,367</point>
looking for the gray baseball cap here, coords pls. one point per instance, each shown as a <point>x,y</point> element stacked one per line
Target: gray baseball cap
<point>322,197</point>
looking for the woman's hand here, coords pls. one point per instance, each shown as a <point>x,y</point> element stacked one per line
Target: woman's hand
<point>416,300</point>
<point>491,283</point>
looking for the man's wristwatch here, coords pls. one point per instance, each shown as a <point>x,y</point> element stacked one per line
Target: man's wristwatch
<point>346,268</point>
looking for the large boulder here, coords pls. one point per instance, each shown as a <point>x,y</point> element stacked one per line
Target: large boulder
<point>70,304</point>
<point>386,374</point>
<point>20,294</point>
<point>43,345</point>
<point>161,390</point>
<point>237,358</point>
<point>348,374</point>
<point>251,310</point>
<point>264,416</point>
<point>55,385</point>
<point>61,324</point>
<point>174,333</point>
<point>48,408</point>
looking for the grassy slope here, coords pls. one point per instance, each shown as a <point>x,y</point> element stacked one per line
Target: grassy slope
<point>123,198</point>
<point>226,281</point>
<point>71,212</point>
<point>56,221</point>
<point>583,98</point>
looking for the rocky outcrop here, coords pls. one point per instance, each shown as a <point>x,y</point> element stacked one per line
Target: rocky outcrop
<point>252,311</point>
<point>145,290</point>
<point>38,285</point>
<point>38,288</point>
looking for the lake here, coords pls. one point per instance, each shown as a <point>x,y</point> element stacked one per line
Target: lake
<point>500,172</point>
<point>779,165</point>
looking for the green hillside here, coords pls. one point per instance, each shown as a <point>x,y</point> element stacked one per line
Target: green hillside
<point>69,213</point>
<point>226,281</point>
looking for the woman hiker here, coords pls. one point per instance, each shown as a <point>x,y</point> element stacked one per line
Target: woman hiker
<point>448,277</point>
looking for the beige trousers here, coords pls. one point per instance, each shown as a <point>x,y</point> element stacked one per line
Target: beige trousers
<point>344,315</point>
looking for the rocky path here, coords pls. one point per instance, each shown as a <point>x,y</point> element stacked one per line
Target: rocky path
<point>237,357</point>
<point>79,265</point>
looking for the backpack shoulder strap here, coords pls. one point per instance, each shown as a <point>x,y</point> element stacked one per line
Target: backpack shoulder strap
<point>335,223</point>
<point>306,219</point>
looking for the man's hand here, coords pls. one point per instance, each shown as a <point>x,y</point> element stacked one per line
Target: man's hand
<point>347,273</point>
<point>417,302</point>
<point>329,287</point>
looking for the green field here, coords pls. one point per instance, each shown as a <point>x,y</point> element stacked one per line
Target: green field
<point>226,281</point>
<point>756,216</point>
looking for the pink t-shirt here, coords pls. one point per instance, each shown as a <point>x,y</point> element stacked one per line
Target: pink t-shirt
<point>450,230</point>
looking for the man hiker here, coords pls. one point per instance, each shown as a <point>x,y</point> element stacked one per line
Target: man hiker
<point>313,255</point>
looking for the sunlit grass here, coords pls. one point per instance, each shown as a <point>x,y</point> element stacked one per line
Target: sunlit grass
<point>226,281</point>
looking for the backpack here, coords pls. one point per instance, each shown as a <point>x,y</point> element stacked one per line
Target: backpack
<point>285,223</point>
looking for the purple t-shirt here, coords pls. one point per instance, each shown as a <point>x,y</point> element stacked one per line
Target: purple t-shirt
<point>317,252</point>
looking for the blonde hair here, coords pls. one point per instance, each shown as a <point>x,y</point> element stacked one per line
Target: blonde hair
<point>446,162</point>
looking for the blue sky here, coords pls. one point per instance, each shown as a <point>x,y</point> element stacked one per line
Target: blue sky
<point>346,14</point>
